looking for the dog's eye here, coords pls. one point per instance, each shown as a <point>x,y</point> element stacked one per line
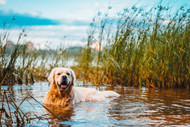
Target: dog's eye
<point>68,73</point>
<point>58,73</point>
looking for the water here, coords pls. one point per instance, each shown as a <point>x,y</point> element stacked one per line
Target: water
<point>135,107</point>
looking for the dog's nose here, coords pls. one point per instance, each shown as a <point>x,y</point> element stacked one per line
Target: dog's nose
<point>64,77</point>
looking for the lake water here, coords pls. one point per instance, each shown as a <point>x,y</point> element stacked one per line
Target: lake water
<point>135,107</point>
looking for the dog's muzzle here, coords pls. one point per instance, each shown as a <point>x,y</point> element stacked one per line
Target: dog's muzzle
<point>63,84</point>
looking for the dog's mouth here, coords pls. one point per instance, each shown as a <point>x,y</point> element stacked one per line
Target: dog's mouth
<point>64,85</point>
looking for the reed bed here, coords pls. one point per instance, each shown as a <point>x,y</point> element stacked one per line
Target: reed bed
<point>139,48</point>
<point>19,64</point>
<point>11,113</point>
<point>135,48</point>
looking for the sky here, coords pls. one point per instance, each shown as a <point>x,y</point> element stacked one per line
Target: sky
<point>62,22</point>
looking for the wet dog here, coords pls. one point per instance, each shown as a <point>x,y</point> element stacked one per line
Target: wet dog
<point>63,92</point>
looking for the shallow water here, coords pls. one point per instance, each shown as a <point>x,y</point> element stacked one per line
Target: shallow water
<point>136,107</point>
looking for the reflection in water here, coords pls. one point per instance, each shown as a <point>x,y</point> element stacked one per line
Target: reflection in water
<point>138,107</point>
<point>64,113</point>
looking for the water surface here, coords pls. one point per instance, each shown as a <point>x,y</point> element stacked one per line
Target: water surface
<point>136,107</point>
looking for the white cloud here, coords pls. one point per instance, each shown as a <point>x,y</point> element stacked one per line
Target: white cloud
<point>166,22</point>
<point>36,13</point>
<point>97,4</point>
<point>3,2</point>
<point>52,36</point>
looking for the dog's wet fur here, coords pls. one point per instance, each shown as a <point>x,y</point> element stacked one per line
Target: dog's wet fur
<point>62,91</point>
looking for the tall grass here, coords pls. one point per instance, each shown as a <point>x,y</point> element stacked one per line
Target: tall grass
<point>136,48</point>
<point>149,48</point>
<point>19,64</point>
<point>11,113</point>
<point>8,60</point>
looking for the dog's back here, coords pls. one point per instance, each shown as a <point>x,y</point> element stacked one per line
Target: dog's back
<point>91,94</point>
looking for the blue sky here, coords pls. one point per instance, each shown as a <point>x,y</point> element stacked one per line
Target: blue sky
<point>63,21</point>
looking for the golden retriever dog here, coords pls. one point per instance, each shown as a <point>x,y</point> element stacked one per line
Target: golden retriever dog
<point>63,92</point>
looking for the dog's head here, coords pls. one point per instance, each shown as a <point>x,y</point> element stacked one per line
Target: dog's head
<point>62,77</point>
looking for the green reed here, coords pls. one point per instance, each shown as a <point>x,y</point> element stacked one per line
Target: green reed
<point>136,48</point>
<point>149,48</point>
<point>11,113</point>
<point>19,64</point>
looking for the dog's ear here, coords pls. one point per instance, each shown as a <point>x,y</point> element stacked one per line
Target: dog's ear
<point>73,76</point>
<point>51,76</point>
